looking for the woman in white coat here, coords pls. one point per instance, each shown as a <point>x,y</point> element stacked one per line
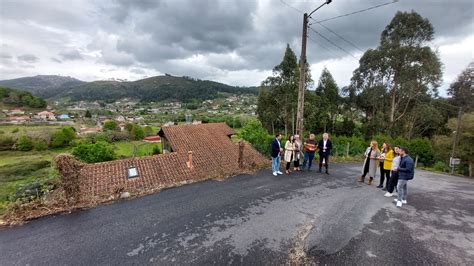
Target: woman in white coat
<point>289,153</point>
<point>371,160</point>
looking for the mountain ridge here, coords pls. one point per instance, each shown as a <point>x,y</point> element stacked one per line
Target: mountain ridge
<point>155,88</point>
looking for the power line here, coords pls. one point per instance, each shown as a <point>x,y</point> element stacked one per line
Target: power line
<point>358,11</point>
<point>340,37</point>
<point>331,42</point>
<point>292,7</point>
<point>322,46</point>
<point>327,28</point>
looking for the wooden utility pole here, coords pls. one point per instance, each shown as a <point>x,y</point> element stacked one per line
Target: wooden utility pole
<point>301,89</point>
<point>302,85</point>
<point>456,137</point>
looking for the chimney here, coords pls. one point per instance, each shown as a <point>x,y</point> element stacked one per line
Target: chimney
<point>190,159</point>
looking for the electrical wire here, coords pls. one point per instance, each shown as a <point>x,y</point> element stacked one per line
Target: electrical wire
<point>331,42</point>
<point>357,12</point>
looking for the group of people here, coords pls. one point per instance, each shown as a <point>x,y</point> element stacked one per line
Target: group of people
<point>294,151</point>
<point>396,166</point>
<point>396,169</point>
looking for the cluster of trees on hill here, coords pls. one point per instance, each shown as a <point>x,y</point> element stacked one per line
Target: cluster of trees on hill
<point>392,93</point>
<point>160,88</point>
<point>20,98</point>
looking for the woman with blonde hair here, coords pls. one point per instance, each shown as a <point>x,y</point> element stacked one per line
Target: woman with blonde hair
<point>370,164</point>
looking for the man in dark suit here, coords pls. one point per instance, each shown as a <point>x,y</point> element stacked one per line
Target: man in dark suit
<point>324,147</point>
<point>276,158</point>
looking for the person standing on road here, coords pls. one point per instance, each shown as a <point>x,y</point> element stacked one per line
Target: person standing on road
<point>406,171</point>
<point>386,159</point>
<point>276,158</point>
<point>297,158</point>
<point>289,153</point>
<point>324,148</point>
<point>392,184</point>
<point>309,150</point>
<point>370,163</point>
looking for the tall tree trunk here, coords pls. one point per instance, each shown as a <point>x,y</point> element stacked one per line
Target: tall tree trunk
<point>392,104</point>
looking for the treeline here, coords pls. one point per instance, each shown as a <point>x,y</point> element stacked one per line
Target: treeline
<point>393,93</point>
<point>161,88</point>
<point>20,98</point>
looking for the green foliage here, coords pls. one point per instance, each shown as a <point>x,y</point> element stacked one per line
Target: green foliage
<point>148,131</point>
<point>40,145</point>
<point>160,88</point>
<point>6,143</point>
<point>255,134</point>
<point>328,92</point>
<point>136,132</point>
<point>20,98</point>
<point>31,191</point>
<point>24,143</point>
<point>156,150</point>
<point>63,137</point>
<point>393,79</point>
<point>441,166</point>
<point>15,130</point>
<point>462,91</point>
<point>277,100</point>
<point>88,114</point>
<point>111,125</point>
<point>422,147</point>
<point>94,152</point>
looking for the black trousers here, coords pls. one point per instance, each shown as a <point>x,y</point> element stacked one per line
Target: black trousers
<point>324,156</point>
<point>288,164</point>
<point>384,175</point>
<point>392,184</point>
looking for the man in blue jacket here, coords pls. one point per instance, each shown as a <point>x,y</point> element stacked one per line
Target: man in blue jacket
<point>406,171</point>
<point>276,150</point>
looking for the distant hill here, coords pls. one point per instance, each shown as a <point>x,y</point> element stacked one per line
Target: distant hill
<point>18,98</point>
<point>157,88</point>
<point>45,86</point>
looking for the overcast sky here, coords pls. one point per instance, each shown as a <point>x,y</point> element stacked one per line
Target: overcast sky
<point>235,42</point>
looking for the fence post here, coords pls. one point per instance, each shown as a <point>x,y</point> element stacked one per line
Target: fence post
<point>416,161</point>
<point>241,153</point>
<point>347,149</point>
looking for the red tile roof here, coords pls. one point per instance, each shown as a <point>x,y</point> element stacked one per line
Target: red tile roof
<point>152,139</point>
<point>214,156</point>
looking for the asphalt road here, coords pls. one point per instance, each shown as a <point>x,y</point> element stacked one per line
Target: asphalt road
<point>261,219</point>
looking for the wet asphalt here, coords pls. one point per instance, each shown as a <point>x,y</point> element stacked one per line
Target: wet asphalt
<point>260,219</point>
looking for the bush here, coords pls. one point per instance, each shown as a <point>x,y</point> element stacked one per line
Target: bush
<point>441,166</point>
<point>15,130</point>
<point>156,150</point>
<point>24,143</point>
<point>40,145</point>
<point>63,137</point>
<point>137,132</point>
<point>421,147</point>
<point>6,143</point>
<point>148,131</point>
<point>111,125</point>
<point>31,191</point>
<point>258,136</point>
<point>94,152</point>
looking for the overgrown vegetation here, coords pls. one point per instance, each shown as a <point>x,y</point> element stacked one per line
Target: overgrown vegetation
<point>20,98</point>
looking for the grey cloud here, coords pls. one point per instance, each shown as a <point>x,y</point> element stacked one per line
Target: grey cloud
<point>27,58</point>
<point>70,55</point>
<point>56,60</point>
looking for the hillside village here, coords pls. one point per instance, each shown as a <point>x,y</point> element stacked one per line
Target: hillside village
<point>130,111</point>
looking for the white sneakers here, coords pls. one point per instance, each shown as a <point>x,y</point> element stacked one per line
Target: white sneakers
<point>388,194</point>
<point>275,173</point>
<point>280,173</point>
<point>399,203</point>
